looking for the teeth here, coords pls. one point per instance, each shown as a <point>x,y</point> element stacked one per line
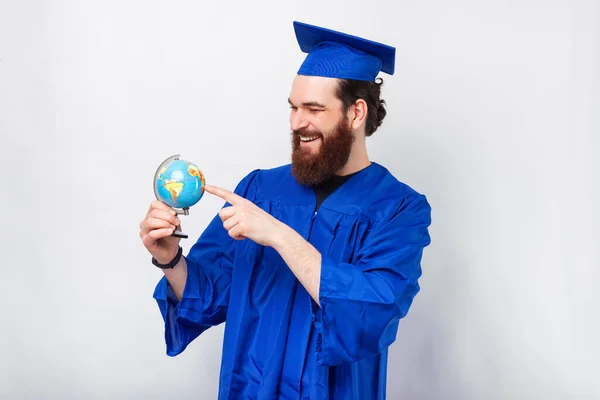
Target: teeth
<point>308,139</point>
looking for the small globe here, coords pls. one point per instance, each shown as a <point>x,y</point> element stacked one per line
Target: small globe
<point>179,183</point>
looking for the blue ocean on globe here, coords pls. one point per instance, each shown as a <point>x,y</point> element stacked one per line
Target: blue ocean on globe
<point>180,184</point>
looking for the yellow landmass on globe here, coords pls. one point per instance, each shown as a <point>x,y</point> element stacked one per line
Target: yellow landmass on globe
<point>193,171</point>
<point>174,188</point>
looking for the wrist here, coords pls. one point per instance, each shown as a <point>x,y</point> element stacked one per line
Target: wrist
<point>171,262</point>
<point>167,256</point>
<point>282,236</point>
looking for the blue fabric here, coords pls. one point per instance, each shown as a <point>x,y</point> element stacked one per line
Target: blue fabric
<point>279,344</point>
<point>335,54</point>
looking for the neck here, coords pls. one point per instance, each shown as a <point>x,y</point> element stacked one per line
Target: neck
<point>358,160</point>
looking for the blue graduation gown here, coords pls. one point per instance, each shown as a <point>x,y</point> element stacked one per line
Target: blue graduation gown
<point>279,344</point>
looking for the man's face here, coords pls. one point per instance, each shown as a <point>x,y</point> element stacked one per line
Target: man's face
<point>321,136</point>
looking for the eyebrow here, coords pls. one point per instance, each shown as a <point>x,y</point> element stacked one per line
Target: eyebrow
<point>309,104</point>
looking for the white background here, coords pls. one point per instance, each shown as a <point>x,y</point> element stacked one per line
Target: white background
<point>493,114</point>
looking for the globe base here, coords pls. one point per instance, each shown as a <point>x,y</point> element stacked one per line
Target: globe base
<point>177,233</point>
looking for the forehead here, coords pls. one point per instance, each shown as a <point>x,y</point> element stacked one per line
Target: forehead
<point>313,89</point>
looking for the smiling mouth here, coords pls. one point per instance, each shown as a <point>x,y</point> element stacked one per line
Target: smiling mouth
<point>307,139</point>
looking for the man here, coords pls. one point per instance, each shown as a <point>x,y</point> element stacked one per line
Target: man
<point>313,264</point>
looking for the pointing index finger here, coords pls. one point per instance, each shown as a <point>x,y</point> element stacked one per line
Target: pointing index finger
<point>226,195</point>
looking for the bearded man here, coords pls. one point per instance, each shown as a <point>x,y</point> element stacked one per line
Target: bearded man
<point>313,264</point>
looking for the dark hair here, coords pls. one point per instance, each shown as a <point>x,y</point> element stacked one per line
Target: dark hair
<point>350,90</point>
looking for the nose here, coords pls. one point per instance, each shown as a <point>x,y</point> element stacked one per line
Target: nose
<point>297,120</point>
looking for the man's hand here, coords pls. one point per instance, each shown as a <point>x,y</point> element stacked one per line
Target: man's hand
<point>243,219</point>
<point>156,229</point>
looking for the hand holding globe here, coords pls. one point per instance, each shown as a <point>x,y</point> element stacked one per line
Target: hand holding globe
<point>179,184</point>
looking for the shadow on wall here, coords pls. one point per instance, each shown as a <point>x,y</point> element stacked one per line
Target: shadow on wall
<point>423,362</point>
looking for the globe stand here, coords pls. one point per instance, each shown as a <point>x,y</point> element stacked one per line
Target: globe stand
<point>177,232</point>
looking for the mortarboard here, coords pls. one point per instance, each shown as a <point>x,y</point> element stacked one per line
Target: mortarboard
<point>334,54</point>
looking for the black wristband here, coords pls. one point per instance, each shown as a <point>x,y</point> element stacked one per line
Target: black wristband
<point>173,262</point>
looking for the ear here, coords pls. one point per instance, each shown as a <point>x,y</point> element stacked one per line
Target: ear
<point>358,114</point>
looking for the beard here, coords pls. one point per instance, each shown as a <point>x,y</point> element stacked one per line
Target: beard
<point>312,168</point>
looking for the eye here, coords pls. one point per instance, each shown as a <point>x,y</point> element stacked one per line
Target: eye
<point>315,110</point>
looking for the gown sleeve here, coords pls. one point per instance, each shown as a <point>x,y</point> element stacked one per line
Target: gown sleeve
<point>362,303</point>
<point>205,296</point>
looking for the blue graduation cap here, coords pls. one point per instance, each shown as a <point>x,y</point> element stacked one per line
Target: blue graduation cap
<point>334,54</point>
